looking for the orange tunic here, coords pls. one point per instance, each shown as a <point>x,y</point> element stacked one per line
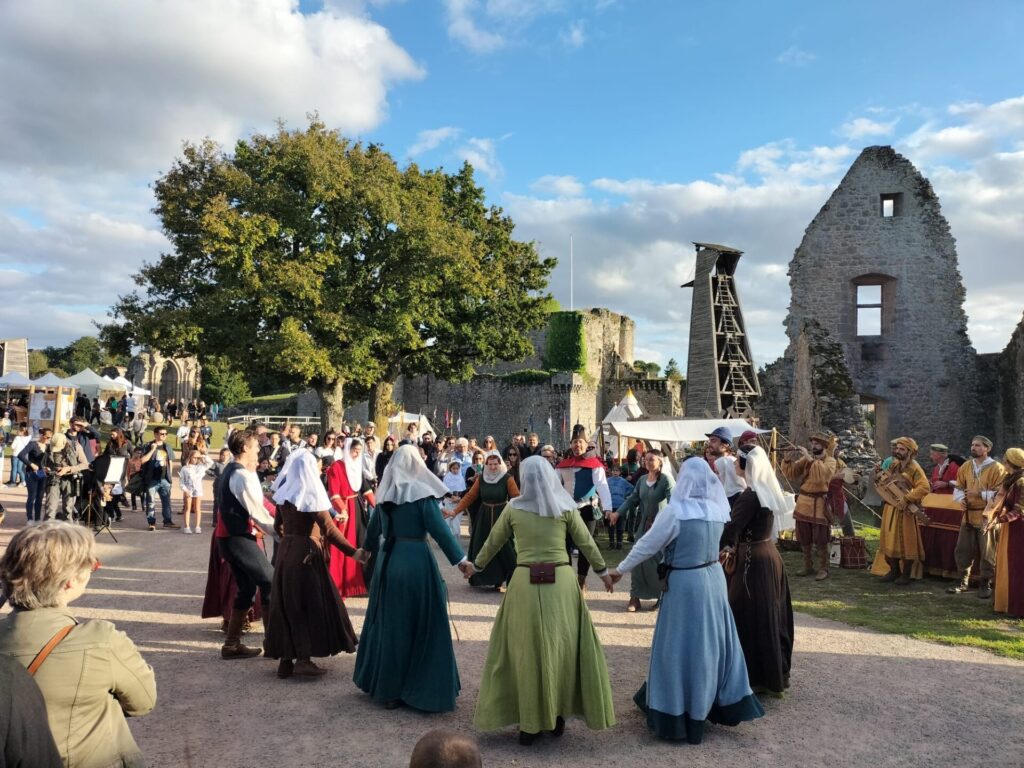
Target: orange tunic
<point>900,537</point>
<point>812,477</point>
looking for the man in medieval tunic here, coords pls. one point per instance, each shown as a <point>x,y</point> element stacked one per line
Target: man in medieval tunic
<point>899,541</point>
<point>810,473</point>
<point>1010,552</point>
<point>944,469</point>
<point>977,483</point>
<point>583,475</point>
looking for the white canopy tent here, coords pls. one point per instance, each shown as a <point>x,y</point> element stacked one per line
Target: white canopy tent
<point>15,380</point>
<point>398,423</point>
<point>627,409</point>
<point>133,389</point>
<point>50,380</point>
<point>681,430</point>
<point>91,384</point>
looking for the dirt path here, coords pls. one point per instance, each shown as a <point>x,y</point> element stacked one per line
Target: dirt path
<point>858,698</point>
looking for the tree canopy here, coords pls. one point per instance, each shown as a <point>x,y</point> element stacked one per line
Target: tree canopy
<point>84,352</point>
<point>305,253</point>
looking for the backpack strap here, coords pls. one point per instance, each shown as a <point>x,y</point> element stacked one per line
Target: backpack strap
<point>37,662</point>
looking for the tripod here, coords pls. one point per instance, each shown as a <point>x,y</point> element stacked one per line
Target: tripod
<point>96,514</point>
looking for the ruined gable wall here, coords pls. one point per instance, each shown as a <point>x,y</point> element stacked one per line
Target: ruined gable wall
<point>923,365</point>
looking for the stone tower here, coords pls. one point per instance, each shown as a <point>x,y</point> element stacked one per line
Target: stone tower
<point>720,377</point>
<point>877,270</point>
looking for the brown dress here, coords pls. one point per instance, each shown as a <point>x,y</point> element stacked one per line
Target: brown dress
<point>307,618</point>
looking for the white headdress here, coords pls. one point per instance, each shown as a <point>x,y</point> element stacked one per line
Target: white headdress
<point>406,478</point>
<point>493,477</point>
<point>761,477</point>
<point>698,494</point>
<point>542,492</point>
<point>301,485</point>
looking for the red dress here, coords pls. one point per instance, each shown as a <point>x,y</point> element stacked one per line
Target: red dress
<point>949,476</point>
<point>347,573</point>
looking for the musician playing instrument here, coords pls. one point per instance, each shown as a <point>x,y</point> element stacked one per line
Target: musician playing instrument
<point>811,471</point>
<point>977,484</point>
<point>1009,517</point>
<point>899,540</point>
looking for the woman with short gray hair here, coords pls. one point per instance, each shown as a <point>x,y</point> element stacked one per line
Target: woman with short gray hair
<point>91,675</point>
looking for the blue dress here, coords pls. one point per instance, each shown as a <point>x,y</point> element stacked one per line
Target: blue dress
<point>697,671</point>
<point>405,650</point>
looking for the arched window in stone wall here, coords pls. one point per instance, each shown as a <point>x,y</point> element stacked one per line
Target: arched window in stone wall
<point>873,305</point>
<point>169,381</point>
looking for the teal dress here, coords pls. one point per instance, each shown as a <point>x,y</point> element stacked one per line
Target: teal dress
<point>405,650</point>
<point>641,507</point>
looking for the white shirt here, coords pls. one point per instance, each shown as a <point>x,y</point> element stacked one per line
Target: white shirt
<point>245,486</point>
<point>725,468</point>
<point>960,495</point>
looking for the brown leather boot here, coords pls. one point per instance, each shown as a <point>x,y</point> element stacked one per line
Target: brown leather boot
<point>960,586</point>
<point>233,648</point>
<point>822,573</point>
<point>904,578</point>
<point>985,589</point>
<point>808,563</point>
<point>306,668</point>
<point>894,569</point>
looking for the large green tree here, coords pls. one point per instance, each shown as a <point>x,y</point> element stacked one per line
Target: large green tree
<point>84,352</point>
<point>304,253</point>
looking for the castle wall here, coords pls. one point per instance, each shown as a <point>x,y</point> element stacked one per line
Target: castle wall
<point>918,365</point>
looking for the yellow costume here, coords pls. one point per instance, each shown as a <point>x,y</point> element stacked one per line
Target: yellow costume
<point>811,476</point>
<point>1009,591</point>
<point>899,540</point>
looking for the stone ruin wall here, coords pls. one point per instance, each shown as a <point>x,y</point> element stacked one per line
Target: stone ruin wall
<point>922,369</point>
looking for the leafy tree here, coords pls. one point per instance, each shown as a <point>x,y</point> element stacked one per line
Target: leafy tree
<point>222,383</point>
<point>644,367</point>
<point>82,353</point>
<point>672,370</point>
<point>321,260</point>
<point>38,363</point>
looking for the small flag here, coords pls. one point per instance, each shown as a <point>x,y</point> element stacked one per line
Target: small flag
<point>458,424</point>
<point>434,419</point>
<point>447,419</point>
<point>549,422</point>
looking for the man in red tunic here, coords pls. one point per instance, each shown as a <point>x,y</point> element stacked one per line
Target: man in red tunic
<point>944,469</point>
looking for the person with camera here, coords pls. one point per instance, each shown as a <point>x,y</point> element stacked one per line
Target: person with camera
<point>64,463</point>
<point>157,460</point>
<point>33,456</point>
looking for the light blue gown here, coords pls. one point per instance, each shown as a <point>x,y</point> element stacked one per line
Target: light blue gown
<point>697,671</point>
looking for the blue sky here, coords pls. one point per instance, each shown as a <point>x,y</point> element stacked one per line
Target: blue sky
<point>637,127</point>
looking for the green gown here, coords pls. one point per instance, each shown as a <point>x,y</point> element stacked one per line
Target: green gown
<point>544,658</point>
<point>405,650</point>
<point>490,503</point>
<point>642,505</point>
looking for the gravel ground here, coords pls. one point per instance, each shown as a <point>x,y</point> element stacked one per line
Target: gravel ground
<point>858,698</point>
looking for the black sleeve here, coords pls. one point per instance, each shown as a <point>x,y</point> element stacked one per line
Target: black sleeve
<point>24,730</point>
<point>743,514</point>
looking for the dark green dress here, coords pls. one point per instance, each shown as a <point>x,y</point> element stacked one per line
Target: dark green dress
<point>405,651</point>
<point>641,507</point>
<point>491,501</point>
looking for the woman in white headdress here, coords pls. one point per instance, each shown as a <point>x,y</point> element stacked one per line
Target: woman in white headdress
<point>544,662</point>
<point>351,498</point>
<point>759,589</point>
<point>697,673</point>
<point>490,492</point>
<point>307,618</point>
<point>405,650</point>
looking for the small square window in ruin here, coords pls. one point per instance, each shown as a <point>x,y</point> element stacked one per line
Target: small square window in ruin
<point>892,204</point>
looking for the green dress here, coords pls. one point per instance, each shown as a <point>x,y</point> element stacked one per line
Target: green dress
<point>544,658</point>
<point>642,505</point>
<point>491,501</point>
<point>405,650</point>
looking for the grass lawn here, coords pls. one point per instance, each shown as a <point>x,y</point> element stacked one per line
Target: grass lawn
<point>922,610</point>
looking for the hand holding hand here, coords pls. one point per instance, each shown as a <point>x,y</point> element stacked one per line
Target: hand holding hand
<point>615,576</point>
<point>467,569</point>
<point>609,583</point>
<point>613,519</point>
<point>361,556</point>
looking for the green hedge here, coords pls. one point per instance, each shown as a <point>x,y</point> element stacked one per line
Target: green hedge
<point>567,347</point>
<point>526,376</point>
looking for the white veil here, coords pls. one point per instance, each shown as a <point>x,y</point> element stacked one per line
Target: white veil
<point>541,490</point>
<point>406,478</point>
<point>301,484</point>
<point>761,477</point>
<point>698,494</point>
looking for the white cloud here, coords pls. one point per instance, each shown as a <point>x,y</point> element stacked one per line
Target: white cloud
<point>463,28</point>
<point>98,97</point>
<point>574,36</point>
<point>633,237</point>
<point>559,186</point>
<point>795,57</point>
<point>431,139</point>
<point>482,154</point>
<point>863,127</point>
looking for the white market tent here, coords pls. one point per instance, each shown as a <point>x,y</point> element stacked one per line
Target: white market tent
<point>681,430</point>
<point>132,388</point>
<point>627,409</point>
<point>49,380</point>
<point>398,423</point>
<point>15,380</point>
<point>91,384</point>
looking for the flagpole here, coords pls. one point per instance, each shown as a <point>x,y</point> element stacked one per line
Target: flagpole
<point>572,302</point>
